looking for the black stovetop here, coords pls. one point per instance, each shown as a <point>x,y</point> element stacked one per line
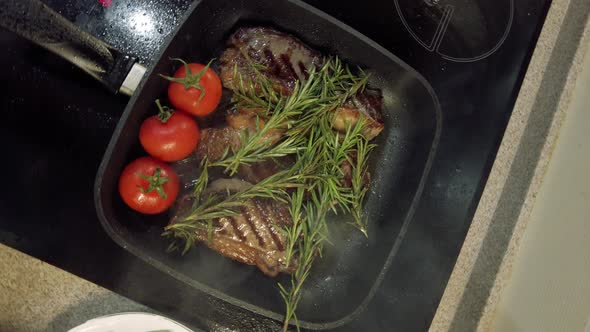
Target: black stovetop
<point>57,123</point>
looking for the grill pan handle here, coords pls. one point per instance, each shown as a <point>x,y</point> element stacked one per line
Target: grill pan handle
<point>38,23</point>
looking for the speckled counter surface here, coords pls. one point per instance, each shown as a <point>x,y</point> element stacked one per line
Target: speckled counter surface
<point>35,296</point>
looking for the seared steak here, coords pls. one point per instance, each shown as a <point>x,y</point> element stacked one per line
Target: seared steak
<point>214,141</point>
<point>247,120</point>
<point>285,58</point>
<point>254,235</point>
<point>259,171</point>
<point>368,104</point>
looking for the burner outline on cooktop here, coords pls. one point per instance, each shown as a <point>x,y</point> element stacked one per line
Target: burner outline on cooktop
<point>441,30</point>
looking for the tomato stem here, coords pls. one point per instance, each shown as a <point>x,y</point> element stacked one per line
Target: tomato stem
<point>164,112</point>
<point>190,80</point>
<point>156,182</point>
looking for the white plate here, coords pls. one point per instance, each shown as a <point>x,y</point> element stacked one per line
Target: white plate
<point>131,322</point>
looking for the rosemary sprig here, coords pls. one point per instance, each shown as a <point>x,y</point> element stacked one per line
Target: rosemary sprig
<point>257,93</point>
<point>313,232</point>
<point>202,180</point>
<point>274,187</point>
<point>231,163</point>
<point>359,187</point>
<point>258,147</point>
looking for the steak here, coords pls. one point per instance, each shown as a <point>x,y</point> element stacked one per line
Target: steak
<point>214,141</point>
<point>368,104</point>
<point>261,170</point>
<point>284,58</point>
<point>253,236</point>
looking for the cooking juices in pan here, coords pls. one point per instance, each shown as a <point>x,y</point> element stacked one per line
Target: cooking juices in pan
<point>345,278</point>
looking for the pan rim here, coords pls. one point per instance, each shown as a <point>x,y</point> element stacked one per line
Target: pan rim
<point>233,300</point>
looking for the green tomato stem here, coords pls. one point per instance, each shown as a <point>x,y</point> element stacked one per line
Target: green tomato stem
<point>190,80</point>
<point>156,182</point>
<point>164,112</point>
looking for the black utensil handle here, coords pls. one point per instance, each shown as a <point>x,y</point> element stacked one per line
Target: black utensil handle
<point>38,23</point>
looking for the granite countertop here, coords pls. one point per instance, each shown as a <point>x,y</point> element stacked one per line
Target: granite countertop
<point>35,296</point>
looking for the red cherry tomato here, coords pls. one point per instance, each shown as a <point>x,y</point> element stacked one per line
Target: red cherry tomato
<point>169,136</point>
<point>197,92</point>
<point>148,185</point>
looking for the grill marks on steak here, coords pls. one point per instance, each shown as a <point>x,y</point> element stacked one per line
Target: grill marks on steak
<point>255,225</point>
<point>253,236</point>
<point>285,58</point>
